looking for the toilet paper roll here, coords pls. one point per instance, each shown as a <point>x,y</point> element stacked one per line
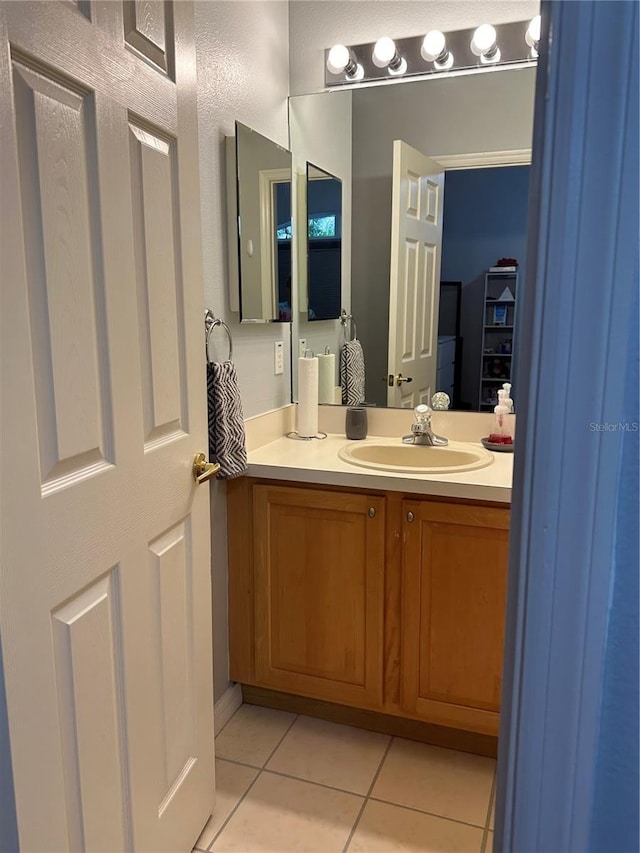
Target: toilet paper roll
<point>326,377</point>
<point>307,396</point>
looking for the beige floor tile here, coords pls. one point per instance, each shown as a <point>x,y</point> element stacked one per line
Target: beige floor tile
<point>441,781</point>
<point>232,780</point>
<point>329,753</point>
<point>281,814</point>
<point>252,734</point>
<point>384,827</point>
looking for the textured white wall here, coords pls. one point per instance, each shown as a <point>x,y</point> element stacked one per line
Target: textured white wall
<point>243,74</point>
<point>315,25</point>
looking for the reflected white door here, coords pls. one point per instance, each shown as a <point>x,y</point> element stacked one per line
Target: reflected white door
<point>105,606</point>
<point>416,244</point>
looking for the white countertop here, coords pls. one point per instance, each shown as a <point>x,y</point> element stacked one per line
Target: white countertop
<point>318,462</point>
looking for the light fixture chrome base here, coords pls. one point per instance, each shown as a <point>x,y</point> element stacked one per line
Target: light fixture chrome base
<point>514,52</point>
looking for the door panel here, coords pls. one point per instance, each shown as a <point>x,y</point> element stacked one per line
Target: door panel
<point>169,555</point>
<point>159,285</point>
<point>86,633</point>
<point>319,588</point>
<point>148,28</point>
<point>454,603</point>
<point>54,128</point>
<point>105,567</point>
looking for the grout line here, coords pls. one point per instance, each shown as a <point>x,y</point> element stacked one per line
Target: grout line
<point>239,763</point>
<point>431,814</point>
<point>258,775</point>
<point>485,834</point>
<point>366,799</point>
<point>271,754</point>
<point>232,812</point>
<point>312,782</point>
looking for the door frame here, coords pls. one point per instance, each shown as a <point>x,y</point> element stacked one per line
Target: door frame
<point>268,179</point>
<point>483,159</point>
<point>582,266</point>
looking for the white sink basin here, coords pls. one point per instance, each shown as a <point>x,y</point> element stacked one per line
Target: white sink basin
<point>394,456</point>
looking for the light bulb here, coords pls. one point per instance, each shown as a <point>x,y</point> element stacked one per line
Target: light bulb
<point>532,36</point>
<point>484,40</point>
<point>433,45</point>
<point>338,59</point>
<point>383,52</point>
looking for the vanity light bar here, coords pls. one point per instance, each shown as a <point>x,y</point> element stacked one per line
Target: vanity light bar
<point>436,54</point>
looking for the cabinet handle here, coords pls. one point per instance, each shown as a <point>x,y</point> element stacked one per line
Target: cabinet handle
<point>372,512</point>
<point>410,517</point>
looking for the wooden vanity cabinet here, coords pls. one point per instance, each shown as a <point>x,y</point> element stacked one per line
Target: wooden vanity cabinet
<point>379,602</point>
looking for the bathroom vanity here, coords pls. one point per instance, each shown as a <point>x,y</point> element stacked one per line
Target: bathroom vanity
<point>376,592</point>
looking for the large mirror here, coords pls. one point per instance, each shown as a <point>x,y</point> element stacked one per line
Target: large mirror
<point>262,232</point>
<point>483,121</point>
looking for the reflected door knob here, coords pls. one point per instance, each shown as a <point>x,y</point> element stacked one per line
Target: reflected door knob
<point>203,470</point>
<point>397,380</point>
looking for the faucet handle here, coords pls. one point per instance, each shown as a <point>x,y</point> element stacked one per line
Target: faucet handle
<point>422,413</point>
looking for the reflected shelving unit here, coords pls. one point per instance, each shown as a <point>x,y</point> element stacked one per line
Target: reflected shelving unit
<point>498,334</point>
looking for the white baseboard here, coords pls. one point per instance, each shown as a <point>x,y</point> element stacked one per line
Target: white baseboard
<point>225,707</point>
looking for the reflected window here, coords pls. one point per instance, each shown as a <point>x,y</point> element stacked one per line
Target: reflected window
<point>324,244</point>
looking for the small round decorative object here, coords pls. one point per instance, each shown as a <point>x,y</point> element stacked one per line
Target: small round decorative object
<point>440,401</point>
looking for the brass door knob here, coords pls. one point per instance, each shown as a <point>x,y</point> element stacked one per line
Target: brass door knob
<point>400,379</point>
<point>203,470</point>
<point>392,380</point>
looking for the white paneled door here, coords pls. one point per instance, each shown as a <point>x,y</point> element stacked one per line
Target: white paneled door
<point>105,605</point>
<point>416,244</point>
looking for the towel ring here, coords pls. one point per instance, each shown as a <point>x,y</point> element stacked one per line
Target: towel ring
<point>210,323</point>
<point>348,318</point>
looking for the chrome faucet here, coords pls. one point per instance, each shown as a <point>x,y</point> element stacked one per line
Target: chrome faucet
<point>421,432</point>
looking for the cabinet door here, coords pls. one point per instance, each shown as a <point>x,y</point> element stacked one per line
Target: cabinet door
<point>319,564</point>
<point>454,600</point>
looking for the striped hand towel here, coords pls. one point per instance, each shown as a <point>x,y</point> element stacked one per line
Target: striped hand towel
<point>352,373</point>
<point>226,420</point>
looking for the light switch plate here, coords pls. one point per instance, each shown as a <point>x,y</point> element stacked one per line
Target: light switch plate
<point>278,358</point>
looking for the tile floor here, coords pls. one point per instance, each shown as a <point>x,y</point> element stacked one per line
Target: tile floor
<point>291,783</point>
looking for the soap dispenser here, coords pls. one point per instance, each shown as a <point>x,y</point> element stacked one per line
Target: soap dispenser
<point>500,433</point>
<point>507,397</point>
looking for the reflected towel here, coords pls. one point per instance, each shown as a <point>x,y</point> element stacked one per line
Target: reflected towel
<point>352,373</point>
<point>226,421</point>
